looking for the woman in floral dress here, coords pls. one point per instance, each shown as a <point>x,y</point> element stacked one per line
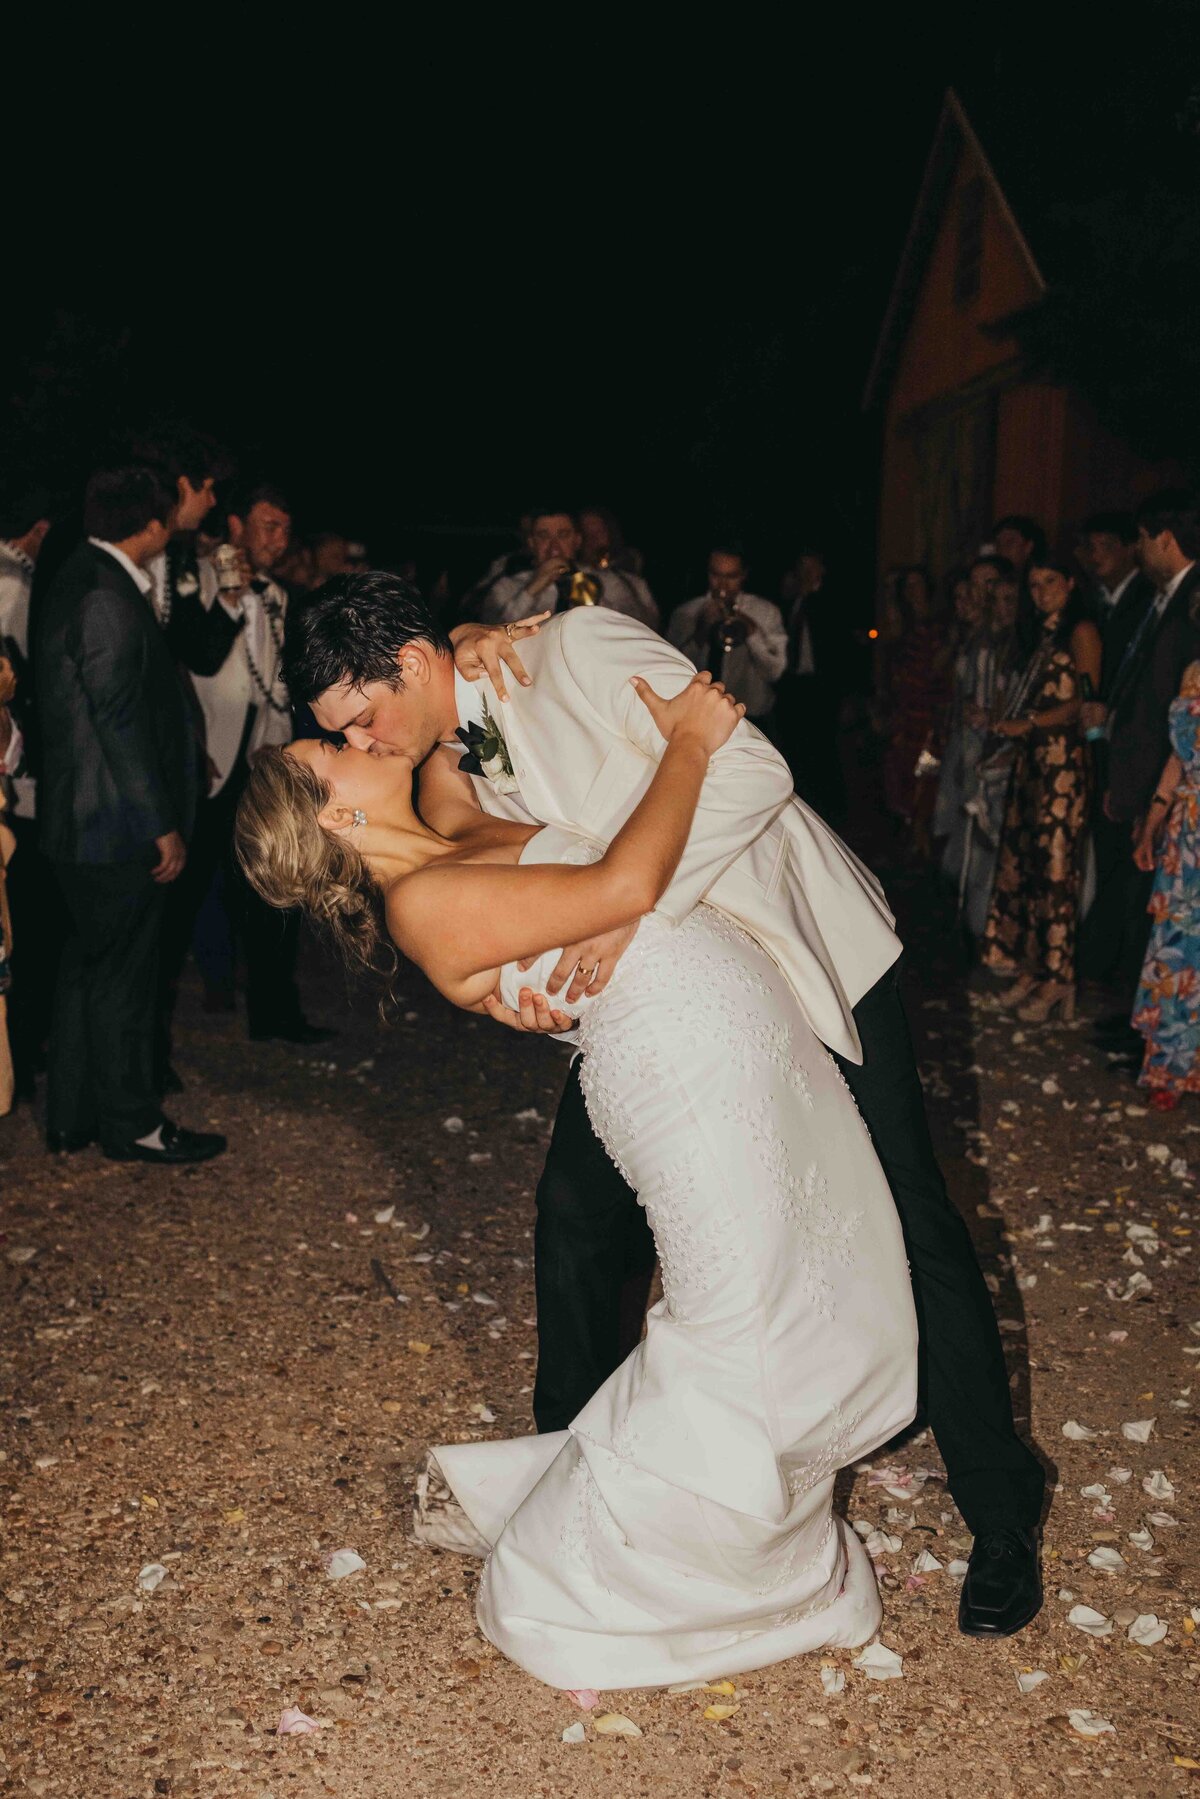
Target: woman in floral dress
<point>1167,1008</point>
<point>1031,922</point>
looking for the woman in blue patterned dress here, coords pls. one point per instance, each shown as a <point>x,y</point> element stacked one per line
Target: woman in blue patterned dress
<point>1167,1008</point>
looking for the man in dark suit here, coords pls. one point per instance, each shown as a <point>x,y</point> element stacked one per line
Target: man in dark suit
<point>117,796</point>
<point>1138,691</point>
<point>815,680</point>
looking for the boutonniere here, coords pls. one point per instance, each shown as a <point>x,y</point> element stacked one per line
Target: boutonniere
<point>486,754</point>
<point>187,584</point>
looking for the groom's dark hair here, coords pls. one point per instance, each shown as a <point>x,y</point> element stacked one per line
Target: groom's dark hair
<point>353,629</point>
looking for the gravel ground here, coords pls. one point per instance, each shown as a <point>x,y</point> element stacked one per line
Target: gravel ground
<point>206,1372</point>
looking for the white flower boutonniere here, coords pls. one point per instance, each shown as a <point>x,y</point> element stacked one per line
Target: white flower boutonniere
<point>187,584</point>
<point>487,754</point>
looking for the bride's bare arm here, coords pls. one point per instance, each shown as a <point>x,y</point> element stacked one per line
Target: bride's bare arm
<point>462,924</point>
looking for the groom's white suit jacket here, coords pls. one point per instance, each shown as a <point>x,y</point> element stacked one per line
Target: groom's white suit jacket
<point>583,748</point>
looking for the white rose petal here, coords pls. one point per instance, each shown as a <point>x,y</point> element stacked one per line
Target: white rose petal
<point>574,1733</point>
<point>343,1562</point>
<point>926,1564</point>
<point>832,1680</point>
<point>1157,1485</point>
<point>1109,1561</point>
<point>1158,1152</point>
<point>1034,1678</point>
<point>1146,1630</point>
<point>151,1576</point>
<point>1139,1430</point>
<point>1079,1433</point>
<point>879,1662</point>
<point>453,1125</point>
<point>1094,1623</point>
<point>958,1569</point>
<point>1120,1475</point>
<point>1088,1724</point>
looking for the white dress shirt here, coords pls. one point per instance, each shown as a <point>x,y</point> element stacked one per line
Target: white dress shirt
<point>1111,596</point>
<point>508,599</point>
<point>139,577</point>
<point>750,669</point>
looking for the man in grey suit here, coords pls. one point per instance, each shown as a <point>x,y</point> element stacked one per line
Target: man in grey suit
<point>119,779</point>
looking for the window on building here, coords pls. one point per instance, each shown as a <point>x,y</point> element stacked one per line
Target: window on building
<point>969,252</point>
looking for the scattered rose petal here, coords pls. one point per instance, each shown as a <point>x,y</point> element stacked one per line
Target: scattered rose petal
<point>880,1543</point>
<point>343,1562</point>
<point>453,1125</point>
<point>1141,1539</point>
<point>1079,1433</point>
<point>718,1713</point>
<point>1139,1430</point>
<point>958,1569</point>
<point>151,1576</point>
<point>22,1252</point>
<point>295,1723</point>
<point>419,1348</point>
<point>1094,1623</point>
<point>926,1564</point>
<point>1120,1475</point>
<point>574,1733</point>
<point>833,1680</point>
<point>1158,1152</point>
<point>1157,1485</point>
<point>1117,1336</point>
<point>1098,1492</point>
<point>1031,1678</point>
<point>1146,1630</point>
<point>879,1662</point>
<point>484,1413</point>
<point>615,1724</point>
<point>1110,1561</point>
<point>1088,1724</point>
<point>586,1698</point>
<point>385,1214</point>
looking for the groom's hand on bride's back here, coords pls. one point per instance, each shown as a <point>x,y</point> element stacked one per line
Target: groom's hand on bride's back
<point>488,649</point>
<point>589,966</point>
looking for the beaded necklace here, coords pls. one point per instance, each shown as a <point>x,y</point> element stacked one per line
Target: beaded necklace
<point>272,613</point>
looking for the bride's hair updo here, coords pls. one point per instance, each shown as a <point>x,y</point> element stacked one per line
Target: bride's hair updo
<point>291,860</point>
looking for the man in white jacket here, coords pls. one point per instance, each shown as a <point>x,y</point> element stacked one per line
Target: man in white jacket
<point>373,664</point>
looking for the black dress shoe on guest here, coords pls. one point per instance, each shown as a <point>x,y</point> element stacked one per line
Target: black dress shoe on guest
<point>177,1146</point>
<point>66,1143</point>
<point>297,1030</point>
<point>1003,1588</point>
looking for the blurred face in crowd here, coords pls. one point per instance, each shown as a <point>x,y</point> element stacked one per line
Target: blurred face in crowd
<point>1049,590</point>
<point>1108,558</point>
<point>1005,600</point>
<point>195,503</point>
<point>917,596</point>
<point>983,579</point>
<point>811,571</point>
<point>554,537</point>
<point>1014,546</point>
<point>726,576</point>
<point>409,720</point>
<point>264,534</point>
<point>595,542</point>
<point>967,607</point>
<point>1159,556</point>
<point>329,557</point>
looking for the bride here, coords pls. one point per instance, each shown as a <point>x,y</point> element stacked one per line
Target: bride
<point>682,1527</point>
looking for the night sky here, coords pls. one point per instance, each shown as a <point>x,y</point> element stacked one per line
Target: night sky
<point>426,297</point>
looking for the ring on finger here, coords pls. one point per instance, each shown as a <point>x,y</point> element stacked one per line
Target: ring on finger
<point>509,630</point>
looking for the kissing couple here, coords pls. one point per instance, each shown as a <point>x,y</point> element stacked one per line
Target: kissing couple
<point>745,1077</point>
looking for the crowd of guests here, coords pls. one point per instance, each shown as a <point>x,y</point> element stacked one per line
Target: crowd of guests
<point>1042,721</point>
<point>142,638</point>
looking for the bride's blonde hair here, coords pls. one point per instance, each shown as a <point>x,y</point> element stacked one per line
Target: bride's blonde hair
<point>291,860</point>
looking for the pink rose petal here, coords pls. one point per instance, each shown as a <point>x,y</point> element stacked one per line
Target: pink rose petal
<point>295,1723</point>
<point>586,1698</point>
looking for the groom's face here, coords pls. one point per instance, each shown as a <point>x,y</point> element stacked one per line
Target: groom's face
<point>400,720</point>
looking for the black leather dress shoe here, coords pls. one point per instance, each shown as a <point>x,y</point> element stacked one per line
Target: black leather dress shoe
<point>178,1146</point>
<point>1003,1588</point>
<point>65,1143</point>
<point>296,1030</point>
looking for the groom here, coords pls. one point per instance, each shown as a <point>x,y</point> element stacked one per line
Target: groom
<point>574,746</point>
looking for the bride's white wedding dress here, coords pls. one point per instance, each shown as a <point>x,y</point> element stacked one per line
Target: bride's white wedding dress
<point>682,1527</point>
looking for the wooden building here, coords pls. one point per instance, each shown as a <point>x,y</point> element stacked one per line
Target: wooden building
<point>969,431</point>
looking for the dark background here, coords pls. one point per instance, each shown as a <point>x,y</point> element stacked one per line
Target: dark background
<point>428,282</point>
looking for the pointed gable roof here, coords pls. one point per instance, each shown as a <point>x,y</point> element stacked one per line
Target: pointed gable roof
<point>954,137</point>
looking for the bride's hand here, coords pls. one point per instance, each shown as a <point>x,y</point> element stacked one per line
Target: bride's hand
<point>486,649</point>
<point>703,711</point>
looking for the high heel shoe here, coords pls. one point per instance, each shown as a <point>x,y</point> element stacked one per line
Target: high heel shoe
<point>1052,996</point>
<point>1021,989</point>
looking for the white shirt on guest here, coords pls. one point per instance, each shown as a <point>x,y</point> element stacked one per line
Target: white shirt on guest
<point>508,599</point>
<point>750,669</point>
<point>138,575</point>
<point>1112,595</point>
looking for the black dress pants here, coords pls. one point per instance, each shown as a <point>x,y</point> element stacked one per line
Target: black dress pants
<point>1116,931</point>
<point>591,1233</point>
<point>101,1059</point>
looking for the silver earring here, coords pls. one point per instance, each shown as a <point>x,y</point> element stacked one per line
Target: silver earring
<point>360,818</point>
